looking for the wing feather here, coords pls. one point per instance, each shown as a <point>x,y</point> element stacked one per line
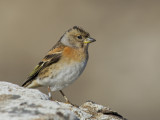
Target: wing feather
<point>48,60</point>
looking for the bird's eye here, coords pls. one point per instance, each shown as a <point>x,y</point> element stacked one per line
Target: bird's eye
<point>79,37</point>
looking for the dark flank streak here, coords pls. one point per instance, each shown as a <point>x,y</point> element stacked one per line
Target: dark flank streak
<point>55,58</point>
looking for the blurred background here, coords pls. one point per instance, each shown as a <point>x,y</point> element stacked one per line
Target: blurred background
<point>123,71</point>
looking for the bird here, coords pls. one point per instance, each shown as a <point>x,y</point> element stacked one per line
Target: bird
<point>63,63</point>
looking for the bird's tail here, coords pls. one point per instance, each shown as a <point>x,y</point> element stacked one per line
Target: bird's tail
<point>25,84</point>
<point>31,84</point>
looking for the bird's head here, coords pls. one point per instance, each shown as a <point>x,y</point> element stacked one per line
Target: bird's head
<point>76,37</point>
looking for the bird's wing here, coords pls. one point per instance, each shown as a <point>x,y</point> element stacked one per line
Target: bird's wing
<point>49,59</point>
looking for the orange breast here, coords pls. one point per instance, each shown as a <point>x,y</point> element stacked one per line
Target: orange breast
<point>74,54</point>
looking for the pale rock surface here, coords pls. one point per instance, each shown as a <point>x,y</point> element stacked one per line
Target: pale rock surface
<point>18,103</point>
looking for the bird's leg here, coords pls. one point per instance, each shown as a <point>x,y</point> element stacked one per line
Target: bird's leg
<point>67,101</point>
<point>49,93</point>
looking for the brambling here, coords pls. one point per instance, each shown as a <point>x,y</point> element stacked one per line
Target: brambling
<point>63,64</point>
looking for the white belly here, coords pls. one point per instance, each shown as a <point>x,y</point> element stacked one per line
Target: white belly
<point>65,76</point>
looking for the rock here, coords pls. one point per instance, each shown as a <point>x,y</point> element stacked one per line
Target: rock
<point>18,103</point>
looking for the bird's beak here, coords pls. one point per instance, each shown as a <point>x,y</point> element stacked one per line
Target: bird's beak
<point>89,40</point>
